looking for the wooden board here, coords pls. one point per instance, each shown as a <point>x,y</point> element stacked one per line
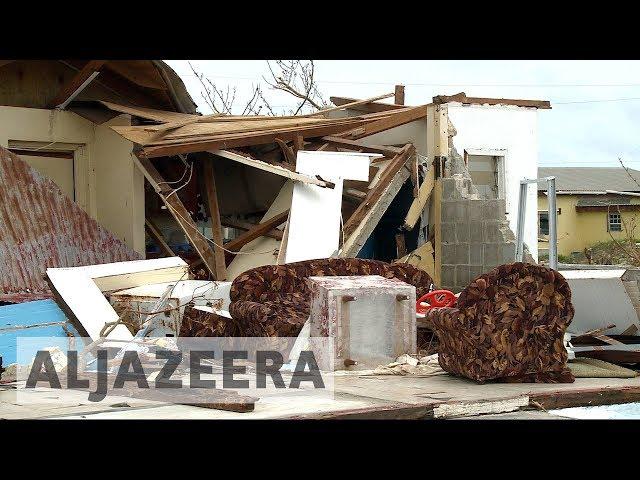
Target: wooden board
<point>214,214</point>
<point>267,167</point>
<point>200,244</point>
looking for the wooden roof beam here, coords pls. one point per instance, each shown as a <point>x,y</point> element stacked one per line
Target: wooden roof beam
<point>369,107</point>
<point>462,98</point>
<point>77,84</point>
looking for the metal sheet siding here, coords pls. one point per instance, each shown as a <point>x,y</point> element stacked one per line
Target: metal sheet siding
<point>39,228</point>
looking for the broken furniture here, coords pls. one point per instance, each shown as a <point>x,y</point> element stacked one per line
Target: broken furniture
<point>80,291</point>
<point>372,319</point>
<point>508,325</point>
<point>132,302</point>
<point>274,300</point>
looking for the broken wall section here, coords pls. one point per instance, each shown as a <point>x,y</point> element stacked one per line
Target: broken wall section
<point>475,232</point>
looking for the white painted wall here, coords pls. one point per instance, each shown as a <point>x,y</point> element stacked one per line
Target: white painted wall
<point>513,129</point>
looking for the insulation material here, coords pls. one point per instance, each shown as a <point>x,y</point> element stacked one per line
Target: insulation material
<point>40,227</point>
<point>508,325</point>
<point>314,223</point>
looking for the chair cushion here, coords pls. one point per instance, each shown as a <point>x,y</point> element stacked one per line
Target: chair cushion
<point>508,324</point>
<point>274,300</point>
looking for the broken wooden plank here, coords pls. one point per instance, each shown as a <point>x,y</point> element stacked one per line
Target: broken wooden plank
<point>418,204</point>
<point>362,222</point>
<point>214,214</point>
<point>371,107</point>
<point>386,123</point>
<point>399,95</point>
<point>161,116</point>
<point>355,103</point>
<point>267,167</point>
<point>241,225</point>
<point>79,80</point>
<point>385,150</point>
<point>257,231</point>
<point>157,237</point>
<point>179,212</point>
<point>462,98</point>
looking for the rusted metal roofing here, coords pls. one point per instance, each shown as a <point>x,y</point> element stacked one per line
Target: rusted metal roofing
<point>40,227</point>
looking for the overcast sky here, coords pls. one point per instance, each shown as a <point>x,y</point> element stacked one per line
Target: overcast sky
<point>595,104</point>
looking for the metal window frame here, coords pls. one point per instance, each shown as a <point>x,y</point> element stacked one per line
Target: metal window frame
<point>553,219</point>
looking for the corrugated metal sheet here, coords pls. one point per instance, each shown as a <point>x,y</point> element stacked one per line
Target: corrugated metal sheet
<point>40,228</point>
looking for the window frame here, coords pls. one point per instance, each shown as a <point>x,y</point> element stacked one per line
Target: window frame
<point>610,224</point>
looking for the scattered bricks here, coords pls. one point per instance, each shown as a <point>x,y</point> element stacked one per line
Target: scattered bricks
<point>448,275</point>
<point>475,232</point>
<point>491,232</point>
<point>448,232</point>
<point>462,275</point>
<point>462,254</point>
<point>491,253</point>
<point>462,232</point>
<point>475,254</point>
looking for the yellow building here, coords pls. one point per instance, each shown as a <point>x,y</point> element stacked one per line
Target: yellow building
<point>587,213</point>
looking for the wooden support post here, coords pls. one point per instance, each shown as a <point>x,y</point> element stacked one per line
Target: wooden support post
<point>179,212</point>
<point>214,214</point>
<point>399,95</point>
<point>157,237</point>
<point>438,147</point>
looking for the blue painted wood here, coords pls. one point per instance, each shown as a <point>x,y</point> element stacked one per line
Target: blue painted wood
<point>31,313</point>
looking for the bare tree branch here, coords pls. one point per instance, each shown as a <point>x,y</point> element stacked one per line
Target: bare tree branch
<point>628,172</point>
<point>295,77</point>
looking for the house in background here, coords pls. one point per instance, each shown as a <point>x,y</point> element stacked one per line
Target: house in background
<point>587,214</point>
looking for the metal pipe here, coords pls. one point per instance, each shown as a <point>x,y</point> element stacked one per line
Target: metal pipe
<point>553,223</point>
<point>522,206</point>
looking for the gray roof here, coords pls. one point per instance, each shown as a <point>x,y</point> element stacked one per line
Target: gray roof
<point>587,179</point>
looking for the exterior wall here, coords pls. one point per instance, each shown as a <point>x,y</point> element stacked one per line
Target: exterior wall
<point>577,230</point>
<point>108,186</point>
<point>513,129</point>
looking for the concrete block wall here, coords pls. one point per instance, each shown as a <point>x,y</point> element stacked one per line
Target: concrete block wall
<point>475,234</point>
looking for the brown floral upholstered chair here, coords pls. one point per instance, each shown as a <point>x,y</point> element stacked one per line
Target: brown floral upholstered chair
<point>508,325</point>
<point>274,300</point>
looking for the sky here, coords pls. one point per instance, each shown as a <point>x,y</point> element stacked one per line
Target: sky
<point>595,111</point>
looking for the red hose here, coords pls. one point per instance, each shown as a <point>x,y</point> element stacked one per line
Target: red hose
<point>436,299</point>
